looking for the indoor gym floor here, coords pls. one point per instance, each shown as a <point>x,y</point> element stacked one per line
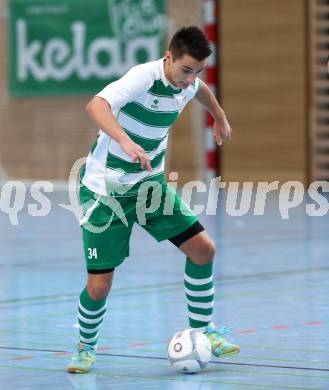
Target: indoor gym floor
<point>272,288</point>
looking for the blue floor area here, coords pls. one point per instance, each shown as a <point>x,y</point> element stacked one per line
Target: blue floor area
<point>272,288</point>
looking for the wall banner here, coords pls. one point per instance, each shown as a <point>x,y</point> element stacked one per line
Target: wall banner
<point>70,47</point>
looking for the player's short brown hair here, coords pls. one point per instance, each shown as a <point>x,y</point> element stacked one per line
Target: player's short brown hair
<point>192,41</point>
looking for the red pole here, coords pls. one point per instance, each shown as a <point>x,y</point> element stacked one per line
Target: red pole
<point>211,148</point>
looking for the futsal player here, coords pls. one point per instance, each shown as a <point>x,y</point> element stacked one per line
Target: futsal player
<point>135,114</point>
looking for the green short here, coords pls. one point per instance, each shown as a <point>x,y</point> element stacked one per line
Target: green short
<point>108,221</point>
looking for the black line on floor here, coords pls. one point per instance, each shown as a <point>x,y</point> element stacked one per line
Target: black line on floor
<point>215,362</point>
<point>163,358</point>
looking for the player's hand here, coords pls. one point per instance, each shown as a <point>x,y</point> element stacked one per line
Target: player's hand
<point>222,130</point>
<point>137,153</point>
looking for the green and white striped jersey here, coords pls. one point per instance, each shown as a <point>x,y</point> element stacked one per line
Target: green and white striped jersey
<point>146,105</point>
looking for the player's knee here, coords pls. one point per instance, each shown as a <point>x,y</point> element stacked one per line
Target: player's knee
<point>209,251</point>
<point>205,254</point>
<point>212,249</point>
<point>98,291</point>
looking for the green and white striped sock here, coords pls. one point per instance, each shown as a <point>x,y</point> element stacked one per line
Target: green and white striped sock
<point>199,291</point>
<point>90,315</point>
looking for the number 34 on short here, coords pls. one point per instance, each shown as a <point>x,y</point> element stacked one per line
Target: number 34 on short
<point>92,253</point>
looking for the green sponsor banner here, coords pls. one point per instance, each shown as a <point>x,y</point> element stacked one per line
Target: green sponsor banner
<point>70,47</point>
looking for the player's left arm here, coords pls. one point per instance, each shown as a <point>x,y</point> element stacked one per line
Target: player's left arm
<point>222,129</point>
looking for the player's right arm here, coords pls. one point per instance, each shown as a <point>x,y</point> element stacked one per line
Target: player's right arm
<point>100,111</point>
<point>115,96</point>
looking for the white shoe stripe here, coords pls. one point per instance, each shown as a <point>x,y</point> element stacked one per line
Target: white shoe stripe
<point>197,282</point>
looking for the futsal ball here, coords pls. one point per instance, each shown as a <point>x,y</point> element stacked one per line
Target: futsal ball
<point>189,351</point>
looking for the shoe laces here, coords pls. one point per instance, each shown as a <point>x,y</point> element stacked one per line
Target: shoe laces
<point>221,331</point>
<point>85,349</point>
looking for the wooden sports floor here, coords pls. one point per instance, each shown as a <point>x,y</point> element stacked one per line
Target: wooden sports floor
<point>272,288</point>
